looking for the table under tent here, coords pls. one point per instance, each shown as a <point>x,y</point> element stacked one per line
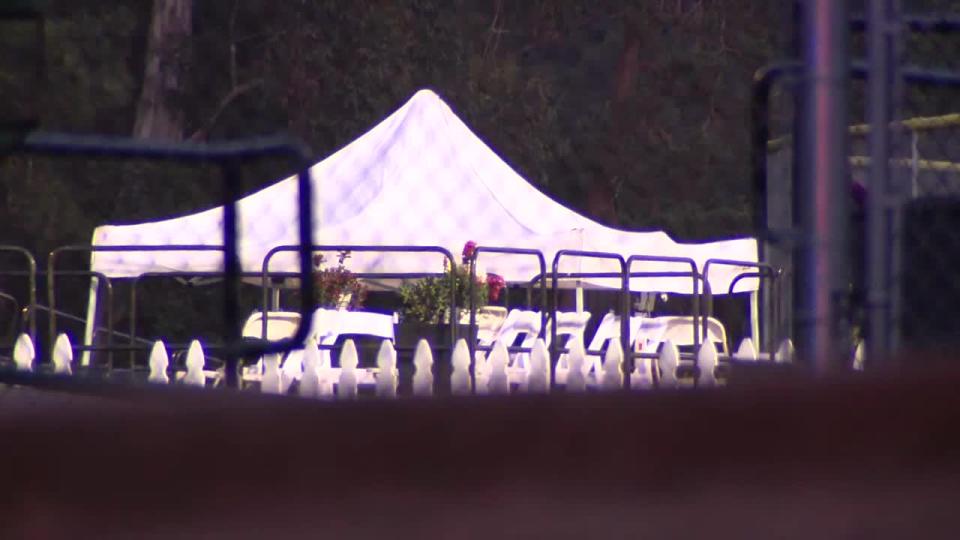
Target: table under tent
<point>421,177</point>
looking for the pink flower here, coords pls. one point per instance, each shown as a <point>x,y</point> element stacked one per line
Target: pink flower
<point>495,284</point>
<point>468,250</point>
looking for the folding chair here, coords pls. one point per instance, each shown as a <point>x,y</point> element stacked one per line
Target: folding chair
<point>570,324</point>
<point>280,325</point>
<point>518,323</point>
<point>680,331</point>
<point>328,326</point>
<point>609,329</point>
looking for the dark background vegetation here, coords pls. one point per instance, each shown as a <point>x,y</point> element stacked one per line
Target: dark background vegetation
<point>634,112</point>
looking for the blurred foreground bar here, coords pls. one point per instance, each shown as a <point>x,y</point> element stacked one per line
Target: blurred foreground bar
<point>864,458</point>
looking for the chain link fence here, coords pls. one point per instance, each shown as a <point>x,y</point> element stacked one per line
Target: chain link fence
<point>916,293</point>
<point>926,165</point>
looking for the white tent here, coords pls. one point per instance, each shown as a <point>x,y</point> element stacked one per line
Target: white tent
<point>420,177</point>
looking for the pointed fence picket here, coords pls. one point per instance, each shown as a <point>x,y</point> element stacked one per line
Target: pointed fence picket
<point>460,382</point>
<point>497,378</point>
<point>785,352</point>
<point>24,353</point>
<point>62,356</point>
<point>271,382</point>
<point>387,377</point>
<point>667,362</point>
<point>746,351</point>
<point>347,383</point>
<point>538,375</point>
<point>310,380</point>
<point>858,355</point>
<point>423,370</point>
<point>707,362</point>
<point>576,373</point>
<point>316,378</point>
<point>159,361</point>
<point>195,361</point>
<point>612,367</point>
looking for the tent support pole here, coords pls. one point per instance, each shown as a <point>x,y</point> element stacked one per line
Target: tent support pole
<point>91,321</point>
<point>275,298</point>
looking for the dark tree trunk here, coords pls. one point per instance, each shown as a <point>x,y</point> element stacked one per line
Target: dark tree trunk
<point>170,26</point>
<point>601,198</point>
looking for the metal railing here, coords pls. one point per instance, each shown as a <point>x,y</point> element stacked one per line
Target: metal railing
<point>228,156</point>
<point>266,274</point>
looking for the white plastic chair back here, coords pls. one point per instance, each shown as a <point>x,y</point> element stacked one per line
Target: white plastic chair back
<point>570,325</point>
<point>280,325</point>
<point>490,320</point>
<point>679,330</point>
<point>518,322</point>
<point>609,330</point>
<point>362,323</point>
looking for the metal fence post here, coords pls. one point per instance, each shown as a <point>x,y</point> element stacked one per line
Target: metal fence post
<point>879,252</point>
<point>822,268</point>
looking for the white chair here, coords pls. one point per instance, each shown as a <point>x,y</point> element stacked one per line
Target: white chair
<point>280,325</point>
<point>609,329</point>
<point>570,325</point>
<point>328,325</point>
<point>680,330</point>
<point>519,323</point>
<point>489,321</point>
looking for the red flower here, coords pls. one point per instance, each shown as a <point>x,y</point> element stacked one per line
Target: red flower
<point>468,250</point>
<point>495,284</point>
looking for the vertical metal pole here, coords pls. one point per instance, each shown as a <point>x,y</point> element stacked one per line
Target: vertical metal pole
<point>89,328</point>
<point>877,256</point>
<point>914,164</point>
<point>822,268</point>
<point>626,340</point>
<point>472,305</point>
<point>231,273</point>
<point>275,298</point>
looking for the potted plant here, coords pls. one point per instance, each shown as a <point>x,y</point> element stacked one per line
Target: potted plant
<point>336,287</point>
<point>426,302</point>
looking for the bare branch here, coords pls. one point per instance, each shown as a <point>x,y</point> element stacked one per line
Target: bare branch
<point>233,94</point>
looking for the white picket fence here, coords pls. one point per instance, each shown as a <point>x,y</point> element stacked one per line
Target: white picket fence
<point>309,373</point>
